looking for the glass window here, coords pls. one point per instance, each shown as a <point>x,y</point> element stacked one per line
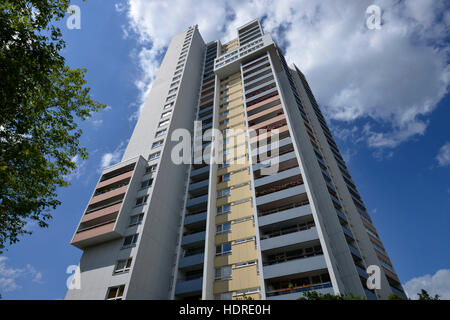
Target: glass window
<point>136,219</point>
<point>130,241</point>
<point>115,293</point>
<point>154,155</point>
<point>223,273</point>
<point>157,144</point>
<point>123,265</point>
<point>223,228</point>
<point>160,133</point>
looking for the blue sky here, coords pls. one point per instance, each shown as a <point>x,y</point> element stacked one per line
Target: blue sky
<point>384,94</point>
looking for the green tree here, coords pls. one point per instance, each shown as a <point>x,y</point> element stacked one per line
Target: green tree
<point>314,295</point>
<point>394,296</point>
<point>41,101</point>
<point>423,295</point>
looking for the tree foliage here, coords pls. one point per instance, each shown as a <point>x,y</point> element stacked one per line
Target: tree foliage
<point>314,295</point>
<point>41,100</point>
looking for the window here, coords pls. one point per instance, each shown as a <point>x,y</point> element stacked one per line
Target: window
<point>224,177</point>
<point>179,67</point>
<point>223,228</point>
<point>160,133</point>
<point>164,123</point>
<point>151,168</point>
<point>244,240</point>
<point>226,104</point>
<point>154,156</point>
<point>141,200</point>
<point>136,219</point>
<point>166,114</point>
<point>223,273</point>
<point>224,122</point>
<point>223,114</point>
<point>146,183</point>
<point>174,84</point>
<point>176,78</point>
<point>247,291</point>
<point>223,193</point>
<point>223,296</point>
<point>224,209</point>
<point>224,98</point>
<point>224,248</point>
<point>245,264</point>
<point>168,106</point>
<point>173,90</point>
<point>157,144</point>
<point>224,91</point>
<point>115,293</point>
<point>123,265</point>
<point>130,241</point>
<point>170,98</point>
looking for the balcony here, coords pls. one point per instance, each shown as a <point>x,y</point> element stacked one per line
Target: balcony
<point>94,235</point>
<point>200,173</point>
<point>294,266</point>
<point>348,233</point>
<point>108,195</point>
<point>354,251</point>
<point>197,202</point>
<point>193,238</point>
<point>199,187</point>
<point>191,261</point>
<point>279,240</point>
<point>189,287</point>
<point>195,218</point>
<point>117,178</point>
<point>289,212</point>
<point>278,195</point>
<point>295,293</point>
<point>271,179</point>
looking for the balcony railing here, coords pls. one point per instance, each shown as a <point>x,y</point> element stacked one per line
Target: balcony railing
<point>308,287</point>
<point>283,208</point>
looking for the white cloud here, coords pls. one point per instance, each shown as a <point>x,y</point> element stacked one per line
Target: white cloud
<point>10,276</point>
<point>393,77</point>
<point>438,283</point>
<point>78,172</point>
<point>111,158</point>
<point>443,156</point>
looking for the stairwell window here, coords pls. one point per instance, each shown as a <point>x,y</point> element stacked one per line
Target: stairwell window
<point>130,241</point>
<point>141,200</point>
<point>163,123</point>
<point>223,228</point>
<point>223,193</point>
<point>146,183</point>
<point>223,273</point>
<point>151,168</point>
<point>224,209</point>
<point>223,249</point>
<point>115,293</point>
<point>223,178</point>
<point>154,156</point>
<point>136,219</point>
<point>157,144</point>
<point>123,265</point>
<point>166,114</point>
<point>160,133</point>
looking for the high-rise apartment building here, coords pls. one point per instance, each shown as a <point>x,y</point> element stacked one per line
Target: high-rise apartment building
<point>272,215</point>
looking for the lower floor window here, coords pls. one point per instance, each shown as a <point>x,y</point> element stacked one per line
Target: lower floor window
<point>115,293</point>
